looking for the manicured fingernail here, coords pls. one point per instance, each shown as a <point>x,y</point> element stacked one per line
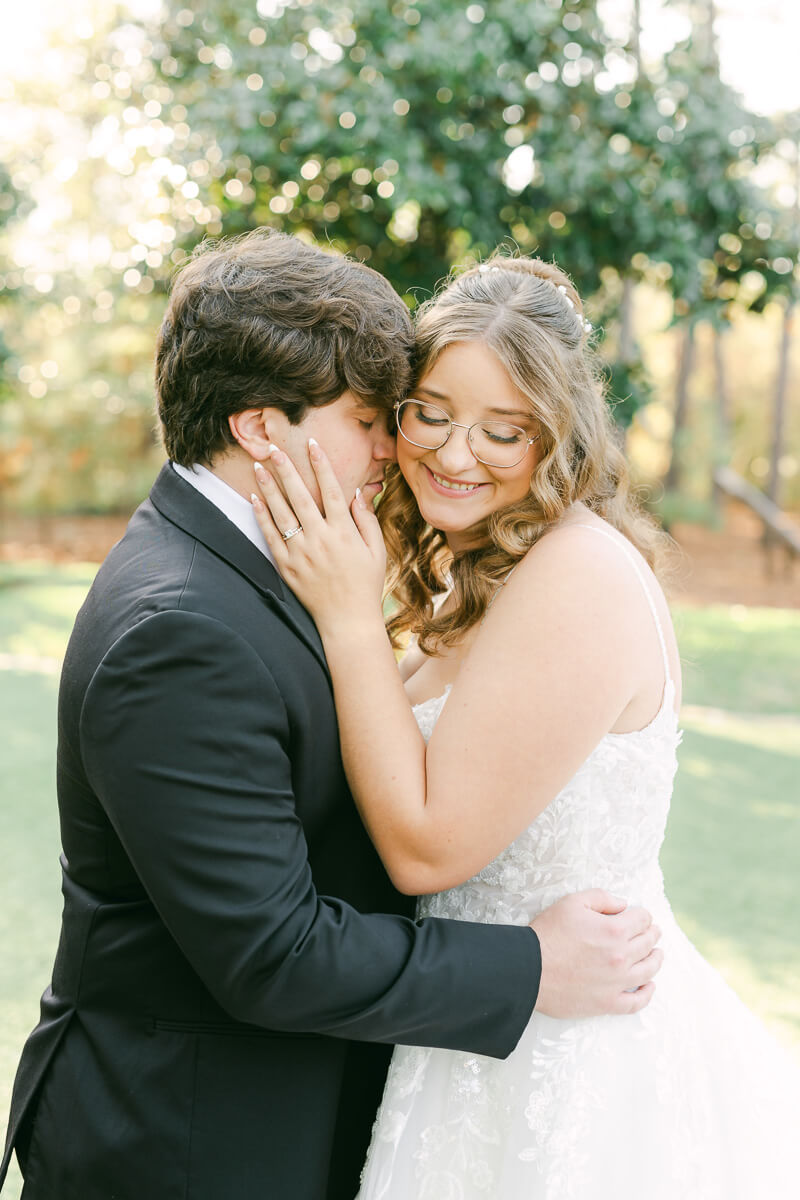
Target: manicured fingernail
<point>254,500</point>
<point>360,498</point>
<point>276,454</point>
<point>258,468</point>
<point>313,449</point>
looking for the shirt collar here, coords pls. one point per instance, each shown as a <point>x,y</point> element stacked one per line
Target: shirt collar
<point>238,510</point>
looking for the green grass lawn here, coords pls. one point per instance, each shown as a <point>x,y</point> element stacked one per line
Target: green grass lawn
<point>732,848</point>
<point>746,660</point>
<point>37,608</point>
<point>733,844</point>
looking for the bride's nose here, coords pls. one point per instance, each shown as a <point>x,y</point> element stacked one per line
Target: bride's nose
<point>456,454</point>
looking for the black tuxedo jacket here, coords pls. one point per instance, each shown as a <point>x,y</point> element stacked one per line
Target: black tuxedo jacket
<point>234,962</point>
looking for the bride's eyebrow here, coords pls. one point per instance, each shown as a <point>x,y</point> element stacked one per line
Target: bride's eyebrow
<point>510,412</point>
<point>502,412</point>
<point>423,387</point>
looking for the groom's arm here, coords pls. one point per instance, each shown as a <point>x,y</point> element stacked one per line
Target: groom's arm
<point>187,742</point>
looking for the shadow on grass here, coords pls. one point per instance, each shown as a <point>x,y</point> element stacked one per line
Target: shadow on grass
<point>744,659</point>
<point>730,861</point>
<point>38,605</point>
<point>30,898</point>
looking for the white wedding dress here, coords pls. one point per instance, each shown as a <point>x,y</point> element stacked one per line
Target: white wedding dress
<point>690,1099</point>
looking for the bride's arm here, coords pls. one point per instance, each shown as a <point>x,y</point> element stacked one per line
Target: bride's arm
<point>546,678</point>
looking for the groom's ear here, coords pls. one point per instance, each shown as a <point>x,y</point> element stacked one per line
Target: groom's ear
<point>250,429</point>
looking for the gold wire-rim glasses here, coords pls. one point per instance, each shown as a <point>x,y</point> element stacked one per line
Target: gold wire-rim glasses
<point>451,425</point>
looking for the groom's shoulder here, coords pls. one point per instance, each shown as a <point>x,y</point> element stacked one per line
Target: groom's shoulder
<point>154,557</point>
<point>179,558</point>
<point>159,567</point>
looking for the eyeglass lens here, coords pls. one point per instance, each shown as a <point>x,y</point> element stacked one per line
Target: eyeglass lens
<point>494,443</point>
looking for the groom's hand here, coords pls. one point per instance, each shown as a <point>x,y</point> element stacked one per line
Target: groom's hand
<point>598,956</point>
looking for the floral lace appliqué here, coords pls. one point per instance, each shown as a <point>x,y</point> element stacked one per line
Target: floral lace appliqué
<point>688,1099</point>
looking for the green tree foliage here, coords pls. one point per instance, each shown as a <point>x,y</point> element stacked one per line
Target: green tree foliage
<point>386,130</point>
<point>422,131</point>
<point>417,134</point>
<point>414,134</point>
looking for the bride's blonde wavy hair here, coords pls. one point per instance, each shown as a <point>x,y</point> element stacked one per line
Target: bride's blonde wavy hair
<point>530,315</point>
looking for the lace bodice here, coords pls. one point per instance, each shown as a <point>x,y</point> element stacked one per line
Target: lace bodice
<point>604,829</point>
<point>689,1097</point>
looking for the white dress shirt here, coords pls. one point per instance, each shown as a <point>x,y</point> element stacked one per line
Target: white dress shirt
<point>233,506</point>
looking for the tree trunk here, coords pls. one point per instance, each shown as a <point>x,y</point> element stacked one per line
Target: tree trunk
<point>627,339</point>
<point>685,363</point>
<point>721,455</point>
<point>782,381</point>
<point>779,410</point>
<point>712,48</point>
<point>702,14</point>
<point>636,31</point>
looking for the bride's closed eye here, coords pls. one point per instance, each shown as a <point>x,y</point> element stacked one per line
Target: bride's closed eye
<point>429,415</point>
<point>505,435</point>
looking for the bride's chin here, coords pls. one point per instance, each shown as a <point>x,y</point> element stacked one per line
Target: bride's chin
<point>460,536</point>
<point>449,525</point>
<point>460,529</point>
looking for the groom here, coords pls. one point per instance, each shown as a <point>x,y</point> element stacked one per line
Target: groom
<point>234,964</point>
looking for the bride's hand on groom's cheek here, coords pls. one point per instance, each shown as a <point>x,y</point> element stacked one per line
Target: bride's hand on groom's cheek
<point>330,554</point>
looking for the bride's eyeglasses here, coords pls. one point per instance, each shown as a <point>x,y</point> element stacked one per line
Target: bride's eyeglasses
<point>493,443</point>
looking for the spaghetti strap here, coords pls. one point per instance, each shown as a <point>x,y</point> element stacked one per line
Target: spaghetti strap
<point>499,588</point>
<point>618,541</point>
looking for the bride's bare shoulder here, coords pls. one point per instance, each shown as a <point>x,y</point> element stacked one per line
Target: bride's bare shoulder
<point>572,550</point>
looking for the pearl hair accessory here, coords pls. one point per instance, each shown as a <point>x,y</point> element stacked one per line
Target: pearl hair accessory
<point>585,325</point>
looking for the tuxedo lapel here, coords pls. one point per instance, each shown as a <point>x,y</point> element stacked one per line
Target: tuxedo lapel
<point>185,507</point>
<point>299,618</point>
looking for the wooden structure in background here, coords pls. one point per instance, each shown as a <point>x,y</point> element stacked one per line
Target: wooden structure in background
<point>778,529</point>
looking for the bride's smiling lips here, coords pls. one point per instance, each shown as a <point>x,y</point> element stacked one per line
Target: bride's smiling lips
<point>446,485</point>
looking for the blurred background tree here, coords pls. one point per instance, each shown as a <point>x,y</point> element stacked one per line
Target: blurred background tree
<point>417,136</point>
<point>9,207</point>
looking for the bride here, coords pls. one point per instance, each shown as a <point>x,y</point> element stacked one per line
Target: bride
<point>531,754</point>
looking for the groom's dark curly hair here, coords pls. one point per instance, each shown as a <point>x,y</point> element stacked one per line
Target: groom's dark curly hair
<point>265,320</point>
